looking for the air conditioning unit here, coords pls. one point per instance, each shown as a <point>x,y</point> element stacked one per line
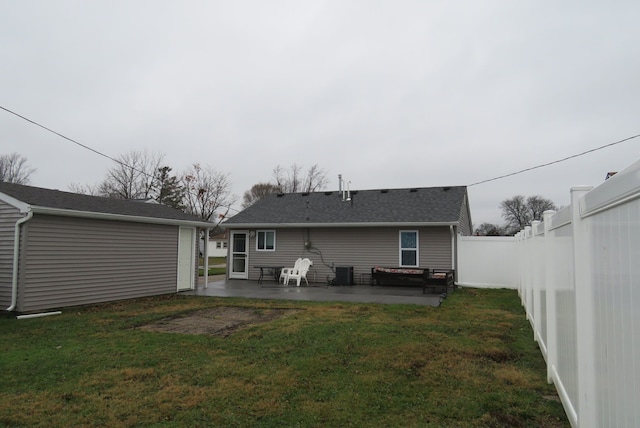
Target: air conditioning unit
<point>344,275</point>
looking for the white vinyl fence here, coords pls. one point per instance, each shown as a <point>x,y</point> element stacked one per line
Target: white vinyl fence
<point>578,275</point>
<point>488,262</point>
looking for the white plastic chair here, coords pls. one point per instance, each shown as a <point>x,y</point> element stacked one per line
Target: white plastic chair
<point>285,272</point>
<point>300,273</point>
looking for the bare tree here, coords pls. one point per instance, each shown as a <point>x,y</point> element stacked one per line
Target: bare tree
<point>14,169</point>
<point>85,189</point>
<point>316,179</point>
<point>133,177</point>
<point>538,205</point>
<point>294,180</point>
<point>520,212</point>
<point>207,193</point>
<point>257,192</point>
<point>287,181</point>
<point>514,211</point>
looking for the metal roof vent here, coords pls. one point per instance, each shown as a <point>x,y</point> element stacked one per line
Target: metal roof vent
<point>346,192</point>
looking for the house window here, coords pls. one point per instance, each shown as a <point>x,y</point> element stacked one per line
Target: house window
<point>266,240</point>
<point>224,244</point>
<point>409,248</point>
<point>218,244</point>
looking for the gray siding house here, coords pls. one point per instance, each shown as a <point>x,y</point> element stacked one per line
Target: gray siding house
<point>415,227</point>
<point>60,249</point>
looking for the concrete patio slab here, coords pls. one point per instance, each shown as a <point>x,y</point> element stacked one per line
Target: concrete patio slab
<point>316,292</point>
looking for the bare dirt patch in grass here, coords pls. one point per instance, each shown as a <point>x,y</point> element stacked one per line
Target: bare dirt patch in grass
<point>221,321</point>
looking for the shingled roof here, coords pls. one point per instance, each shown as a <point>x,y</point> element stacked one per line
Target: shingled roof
<point>40,200</point>
<point>417,206</point>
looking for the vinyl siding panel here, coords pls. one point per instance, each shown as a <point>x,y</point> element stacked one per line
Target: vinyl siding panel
<point>72,261</point>
<point>8,218</point>
<point>362,248</point>
<point>464,222</point>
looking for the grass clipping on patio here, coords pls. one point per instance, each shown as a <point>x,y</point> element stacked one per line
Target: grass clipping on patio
<point>471,362</point>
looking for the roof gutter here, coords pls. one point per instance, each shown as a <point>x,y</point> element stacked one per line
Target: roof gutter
<point>328,225</point>
<point>16,259</point>
<point>118,217</point>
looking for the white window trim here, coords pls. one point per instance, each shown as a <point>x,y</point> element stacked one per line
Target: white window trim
<point>417,249</point>
<point>274,240</point>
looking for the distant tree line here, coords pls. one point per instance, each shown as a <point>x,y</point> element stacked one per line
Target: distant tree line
<point>518,212</point>
<point>141,175</point>
<point>200,190</point>
<point>206,193</point>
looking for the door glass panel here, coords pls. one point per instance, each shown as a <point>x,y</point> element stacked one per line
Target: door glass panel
<point>239,264</point>
<point>239,243</point>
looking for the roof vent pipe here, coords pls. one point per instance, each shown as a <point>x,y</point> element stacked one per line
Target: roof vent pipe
<point>344,188</point>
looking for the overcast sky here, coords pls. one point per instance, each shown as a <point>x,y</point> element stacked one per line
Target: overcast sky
<point>390,94</point>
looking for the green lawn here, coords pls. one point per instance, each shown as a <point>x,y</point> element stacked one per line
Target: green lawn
<point>213,270</point>
<point>213,261</point>
<point>470,363</point>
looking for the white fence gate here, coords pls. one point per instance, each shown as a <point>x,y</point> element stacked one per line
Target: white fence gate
<point>578,275</point>
<point>488,262</point>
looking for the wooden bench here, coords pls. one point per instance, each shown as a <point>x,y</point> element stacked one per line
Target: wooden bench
<point>433,280</point>
<point>440,280</point>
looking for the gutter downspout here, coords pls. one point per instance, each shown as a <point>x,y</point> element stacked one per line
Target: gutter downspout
<point>454,252</point>
<point>16,259</point>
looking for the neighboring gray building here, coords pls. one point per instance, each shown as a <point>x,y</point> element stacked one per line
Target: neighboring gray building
<point>60,249</point>
<point>415,227</point>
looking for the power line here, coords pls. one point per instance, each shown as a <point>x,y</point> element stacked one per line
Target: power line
<point>469,185</point>
<point>85,146</point>
<point>554,162</point>
<point>74,141</point>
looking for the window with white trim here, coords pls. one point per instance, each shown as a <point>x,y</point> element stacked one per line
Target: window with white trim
<point>266,240</point>
<point>409,248</point>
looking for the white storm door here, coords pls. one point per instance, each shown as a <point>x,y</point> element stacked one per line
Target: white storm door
<point>239,264</point>
<point>186,258</point>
